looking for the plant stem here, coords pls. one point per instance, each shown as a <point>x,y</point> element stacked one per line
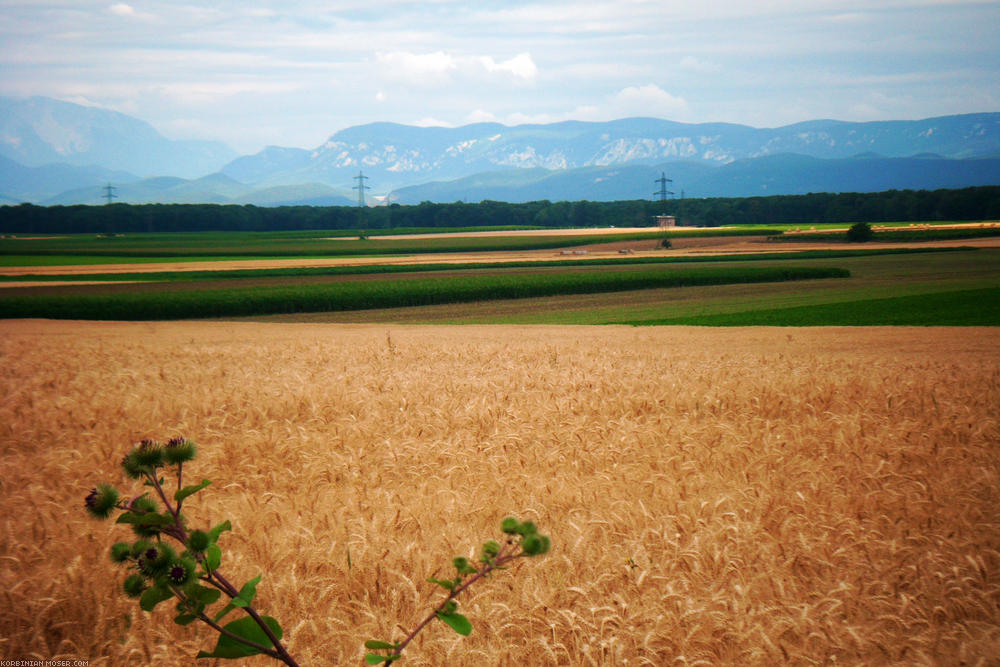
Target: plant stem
<point>178,532</point>
<point>500,559</point>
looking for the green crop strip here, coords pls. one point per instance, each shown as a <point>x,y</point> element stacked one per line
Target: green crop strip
<point>976,307</point>
<point>359,295</point>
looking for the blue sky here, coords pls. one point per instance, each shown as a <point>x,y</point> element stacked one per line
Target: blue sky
<point>292,73</point>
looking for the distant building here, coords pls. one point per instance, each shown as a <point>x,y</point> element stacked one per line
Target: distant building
<point>664,221</point>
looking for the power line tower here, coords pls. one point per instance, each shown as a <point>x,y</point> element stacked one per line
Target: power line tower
<point>109,193</point>
<point>361,187</point>
<point>663,192</point>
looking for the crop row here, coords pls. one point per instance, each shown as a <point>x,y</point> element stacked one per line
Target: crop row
<point>974,307</point>
<point>183,303</point>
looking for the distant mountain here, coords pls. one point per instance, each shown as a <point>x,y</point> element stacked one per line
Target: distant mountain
<point>57,152</point>
<point>395,156</point>
<point>39,131</point>
<point>19,183</point>
<point>769,175</point>
<point>211,189</point>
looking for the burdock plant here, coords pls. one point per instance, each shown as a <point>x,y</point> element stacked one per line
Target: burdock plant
<point>157,573</point>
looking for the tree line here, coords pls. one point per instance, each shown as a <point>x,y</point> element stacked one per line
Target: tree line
<point>976,203</point>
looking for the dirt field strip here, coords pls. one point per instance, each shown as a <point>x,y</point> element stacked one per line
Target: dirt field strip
<point>714,496</point>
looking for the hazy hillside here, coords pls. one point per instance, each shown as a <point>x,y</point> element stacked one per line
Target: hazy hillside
<point>769,175</point>
<point>39,131</point>
<point>212,189</point>
<point>55,152</point>
<point>395,156</point>
<point>19,183</point>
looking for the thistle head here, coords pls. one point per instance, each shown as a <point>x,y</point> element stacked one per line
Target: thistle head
<point>181,571</point>
<point>101,500</point>
<point>179,450</point>
<point>121,552</point>
<point>198,541</point>
<point>135,585</point>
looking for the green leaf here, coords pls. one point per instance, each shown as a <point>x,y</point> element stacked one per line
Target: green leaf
<point>185,619</point>
<point>456,622</point>
<point>154,596</point>
<point>443,583</point>
<point>188,490</point>
<point>203,594</point>
<point>249,590</point>
<point>376,644</point>
<point>244,599</point>
<point>218,530</point>
<point>246,628</point>
<point>375,659</point>
<point>213,557</point>
<point>151,519</point>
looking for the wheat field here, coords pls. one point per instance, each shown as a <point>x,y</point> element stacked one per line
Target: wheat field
<point>752,496</point>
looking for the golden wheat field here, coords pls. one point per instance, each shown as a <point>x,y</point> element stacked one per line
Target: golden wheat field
<point>757,496</point>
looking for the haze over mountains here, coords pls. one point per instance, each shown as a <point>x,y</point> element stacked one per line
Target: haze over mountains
<point>54,152</point>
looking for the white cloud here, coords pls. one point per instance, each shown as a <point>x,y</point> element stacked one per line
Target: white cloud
<point>441,68</point>
<point>417,68</point>
<point>648,100</point>
<point>521,66</point>
<point>121,9</point>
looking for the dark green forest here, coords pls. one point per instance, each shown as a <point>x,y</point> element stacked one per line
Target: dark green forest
<point>977,203</point>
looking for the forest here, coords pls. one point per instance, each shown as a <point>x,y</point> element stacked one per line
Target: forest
<point>976,203</point>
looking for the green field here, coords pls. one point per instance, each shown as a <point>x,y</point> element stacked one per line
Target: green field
<point>194,300</point>
<point>873,278</point>
<point>848,284</point>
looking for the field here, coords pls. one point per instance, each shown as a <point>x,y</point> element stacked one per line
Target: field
<point>715,496</point>
<point>596,276</point>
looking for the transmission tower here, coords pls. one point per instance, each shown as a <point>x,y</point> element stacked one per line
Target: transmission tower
<point>663,192</point>
<point>361,187</point>
<point>109,193</point>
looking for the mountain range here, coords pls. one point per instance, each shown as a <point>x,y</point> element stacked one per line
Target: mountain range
<point>54,152</point>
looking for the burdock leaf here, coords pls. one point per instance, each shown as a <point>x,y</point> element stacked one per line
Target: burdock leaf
<point>248,591</point>
<point>188,490</point>
<point>376,644</point>
<point>247,628</point>
<point>203,594</point>
<point>443,583</point>
<point>218,530</point>
<point>244,599</point>
<point>375,659</point>
<point>456,622</point>
<point>185,619</point>
<point>213,557</point>
<point>154,596</point>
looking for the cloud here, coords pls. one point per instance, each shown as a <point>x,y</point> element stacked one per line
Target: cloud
<point>121,9</point>
<point>648,100</point>
<point>521,66</point>
<point>417,68</point>
<point>441,68</point>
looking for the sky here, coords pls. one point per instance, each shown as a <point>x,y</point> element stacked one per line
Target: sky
<point>292,73</point>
